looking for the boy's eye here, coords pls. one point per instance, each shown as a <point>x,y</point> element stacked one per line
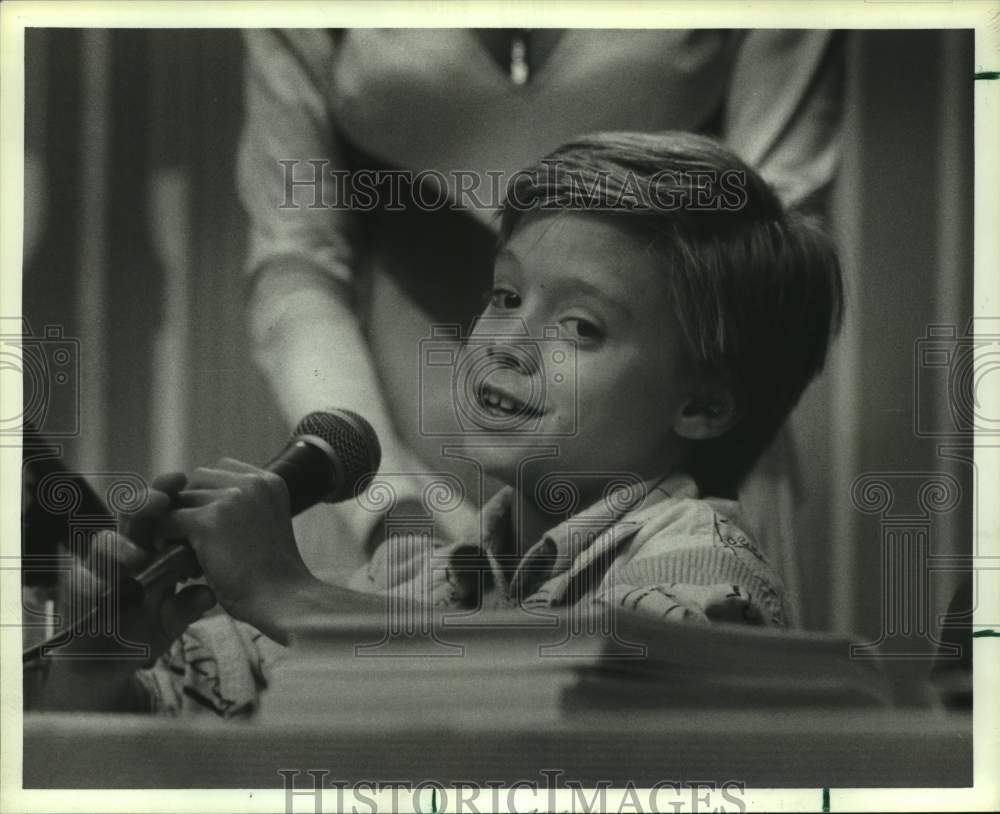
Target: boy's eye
<point>505,299</point>
<point>583,329</point>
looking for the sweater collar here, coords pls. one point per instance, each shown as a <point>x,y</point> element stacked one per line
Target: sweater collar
<point>621,503</point>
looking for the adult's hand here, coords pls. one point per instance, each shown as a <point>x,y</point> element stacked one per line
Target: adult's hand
<point>139,542</point>
<point>93,667</point>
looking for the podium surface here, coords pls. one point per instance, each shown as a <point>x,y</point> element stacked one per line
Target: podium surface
<point>762,748</point>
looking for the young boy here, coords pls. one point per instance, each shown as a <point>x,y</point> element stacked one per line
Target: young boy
<point>695,311</point>
<point>698,311</point>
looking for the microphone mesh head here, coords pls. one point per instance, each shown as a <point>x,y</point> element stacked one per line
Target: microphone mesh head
<point>350,436</point>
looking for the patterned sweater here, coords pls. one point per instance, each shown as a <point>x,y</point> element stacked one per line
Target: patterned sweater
<point>654,547</point>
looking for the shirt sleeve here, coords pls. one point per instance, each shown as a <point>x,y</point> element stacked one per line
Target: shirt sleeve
<point>701,568</point>
<point>782,113</point>
<point>218,665</point>
<point>287,92</point>
<point>416,570</point>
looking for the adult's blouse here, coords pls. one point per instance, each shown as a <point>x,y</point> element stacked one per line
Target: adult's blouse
<point>420,99</point>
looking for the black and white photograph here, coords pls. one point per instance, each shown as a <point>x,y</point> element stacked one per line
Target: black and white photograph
<point>500,407</point>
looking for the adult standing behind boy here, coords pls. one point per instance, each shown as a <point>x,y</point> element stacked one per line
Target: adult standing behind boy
<point>340,300</point>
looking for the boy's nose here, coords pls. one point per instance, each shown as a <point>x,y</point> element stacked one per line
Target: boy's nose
<point>520,356</point>
<point>507,343</point>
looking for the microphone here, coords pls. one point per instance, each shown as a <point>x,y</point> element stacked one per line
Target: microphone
<point>331,457</point>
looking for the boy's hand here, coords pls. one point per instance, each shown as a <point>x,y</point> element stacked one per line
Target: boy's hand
<point>236,518</point>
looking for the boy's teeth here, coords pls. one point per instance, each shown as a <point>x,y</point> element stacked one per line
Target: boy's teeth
<point>500,402</point>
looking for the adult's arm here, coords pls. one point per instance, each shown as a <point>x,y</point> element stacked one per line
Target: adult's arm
<point>783,110</point>
<point>306,334</point>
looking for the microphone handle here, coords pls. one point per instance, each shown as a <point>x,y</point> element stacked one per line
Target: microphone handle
<point>177,563</point>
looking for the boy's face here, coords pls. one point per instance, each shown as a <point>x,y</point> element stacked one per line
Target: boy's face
<point>582,284</point>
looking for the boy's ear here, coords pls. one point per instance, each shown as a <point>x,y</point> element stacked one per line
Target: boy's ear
<point>707,414</point>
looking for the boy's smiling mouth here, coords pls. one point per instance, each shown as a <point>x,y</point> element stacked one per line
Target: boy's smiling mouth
<point>501,404</point>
